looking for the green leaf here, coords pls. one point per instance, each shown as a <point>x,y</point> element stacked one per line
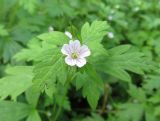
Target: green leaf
<point>120,60</point>
<point>157,111</point>
<point>50,40</point>
<point>55,38</point>
<point>32,96</point>
<point>57,8</point>
<point>137,93</point>
<point>26,54</point>
<point>91,84</point>
<point>13,111</point>
<point>10,48</point>
<point>62,101</point>
<point>130,112</point>
<point>61,8</point>
<point>120,49</point>
<point>18,80</point>
<point>152,82</point>
<point>94,117</point>
<point>155,99</point>
<point>29,5</point>
<point>50,68</point>
<point>34,116</point>
<point>149,115</point>
<point>3,31</point>
<point>93,34</point>
<point>50,88</point>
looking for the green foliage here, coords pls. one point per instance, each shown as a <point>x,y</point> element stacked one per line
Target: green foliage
<point>137,93</point>
<point>45,69</point>
<point>3,31</point>
<point>91,84</point>
<point>34,46</point>
<point>120,60</point>
<point>29,5</point>
<point>130,112</point>
<point>16,81</point>
<point>32,97</point>
<point>9,48</point>
<point>94,117</point>
<point>93,34</point>
<point>13,111</point>
<point>55,38</point>
<point>120,81</point>
<point>34,116</point>
<point>152,82</point>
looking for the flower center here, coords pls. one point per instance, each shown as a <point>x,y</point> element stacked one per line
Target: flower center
<point>74,55</point>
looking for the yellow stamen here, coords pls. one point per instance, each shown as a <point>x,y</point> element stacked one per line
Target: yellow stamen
<point>74,55</point>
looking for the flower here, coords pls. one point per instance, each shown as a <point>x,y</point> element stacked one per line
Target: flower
<point>50,29</point>
<point>75,53</point>
<point>68,34</point>
<point>110,35</point>
<point>110,18</point>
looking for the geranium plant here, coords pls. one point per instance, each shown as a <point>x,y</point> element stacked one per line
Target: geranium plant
<point>59,62</point>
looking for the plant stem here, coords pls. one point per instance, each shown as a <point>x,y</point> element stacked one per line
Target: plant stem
<point>105,98</point>
<point>58,113</point>
<point>70,77</point>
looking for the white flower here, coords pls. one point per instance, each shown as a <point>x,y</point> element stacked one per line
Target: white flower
<point>68,34</point>
<point>50,29</point>
<point>110,17</point>
<point>75,53</point>
<point>110,35</point>
<point>49,114</point>
<point>109,107</point>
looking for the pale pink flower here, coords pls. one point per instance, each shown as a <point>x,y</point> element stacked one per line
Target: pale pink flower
<point>75,53</point>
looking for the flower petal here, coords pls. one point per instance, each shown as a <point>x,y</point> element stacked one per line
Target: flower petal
<point>68,34</point>
<point>66,49</point>
<point>70,61</point>
<point>84,51</point>
<point>74,45</point>
<point>80,62</point>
